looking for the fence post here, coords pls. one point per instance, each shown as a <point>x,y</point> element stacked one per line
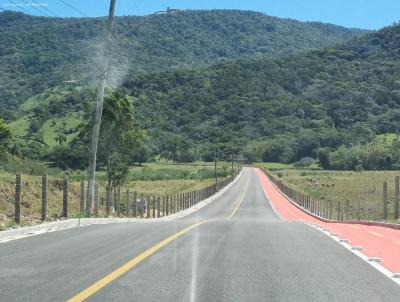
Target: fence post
<point>154,206</point>
<point>175,199</point>
<point>108,200</point>
<point>96,200</point>
<point>163,206</point>
<point>135,204</point>
<point>128,203</point>
<point>141,205</point>
<point>338,211</point>
<point>347,209</point>
<point>158,207</point>
<point>65,198</point>
<point>148,202</point>
<point>118,203</point>
<point>397,197</point>
<point>82,197</point>
<point>385,200</point>
<point>167,206</point>
<point>341,212</point>
<point>44,196</point>
<point>18,189</point>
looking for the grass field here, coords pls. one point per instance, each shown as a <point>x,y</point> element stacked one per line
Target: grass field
<point>167,171</point>
<point>51,127</point>
<point>387,138</point>
<point>360,189</point>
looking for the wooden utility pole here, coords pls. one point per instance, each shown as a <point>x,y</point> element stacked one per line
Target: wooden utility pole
<point>99,111</point>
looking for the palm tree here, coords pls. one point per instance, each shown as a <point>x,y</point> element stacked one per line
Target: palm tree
<point>61,138</point>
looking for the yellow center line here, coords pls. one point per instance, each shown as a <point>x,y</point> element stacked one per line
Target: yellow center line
<point>86,293</point>
<point>95,287</point>
<point>375,234</point>
<point>239,202</point>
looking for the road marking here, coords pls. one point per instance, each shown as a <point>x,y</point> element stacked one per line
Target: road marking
<point>374,262</point>
<point>353,227</point>
<point>91,290</point>
<point>239,202</point>
<point>86,293</point>
<point>375,234</point>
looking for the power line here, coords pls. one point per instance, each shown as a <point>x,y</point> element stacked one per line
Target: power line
<point>3,9</point>
<point>20,7</point>
<point>45,8</point>
<point>74,8</point>
<point>36,9</point>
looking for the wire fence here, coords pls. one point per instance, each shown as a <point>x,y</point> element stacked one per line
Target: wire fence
<point>380,202</point>
<point>38,199</point>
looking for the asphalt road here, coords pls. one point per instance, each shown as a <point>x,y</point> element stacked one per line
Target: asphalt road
<point>242,252</point>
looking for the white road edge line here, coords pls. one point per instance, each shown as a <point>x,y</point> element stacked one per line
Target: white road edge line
<point>370,260</point>
<point>269,199</point>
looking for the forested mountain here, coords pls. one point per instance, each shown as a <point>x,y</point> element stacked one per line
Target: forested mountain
<point>279,104</point>
<point>281,109</point>
<point>37,53</point>
<point>275,109</point>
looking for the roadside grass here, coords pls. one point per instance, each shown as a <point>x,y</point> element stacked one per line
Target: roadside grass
<point>360,189</point>
<point>274,166</point>
<point>157,171</point>
<point>280,166</point>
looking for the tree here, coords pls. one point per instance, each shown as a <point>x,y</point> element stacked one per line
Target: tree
<point>5,139</point>
<point>323,155</point>
<point>61,138</point>
<point>118,139</point>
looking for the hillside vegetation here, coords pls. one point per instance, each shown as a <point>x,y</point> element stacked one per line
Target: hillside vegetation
<point>284,109</point>
<point>332,104</point>
<point>37,53</point>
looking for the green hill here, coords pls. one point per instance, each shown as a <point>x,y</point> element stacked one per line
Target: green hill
<point>275,108</point>
<point>37,53</point>
<point>282,109</point>
<point>281,105</point>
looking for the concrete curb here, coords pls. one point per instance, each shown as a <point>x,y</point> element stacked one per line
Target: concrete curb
<point>12,234</point>
<point>394,226</point>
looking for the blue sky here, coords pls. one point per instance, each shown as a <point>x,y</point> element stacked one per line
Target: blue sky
<point>369,14</point>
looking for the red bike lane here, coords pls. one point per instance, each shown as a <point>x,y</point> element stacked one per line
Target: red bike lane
<point>375,241</point>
